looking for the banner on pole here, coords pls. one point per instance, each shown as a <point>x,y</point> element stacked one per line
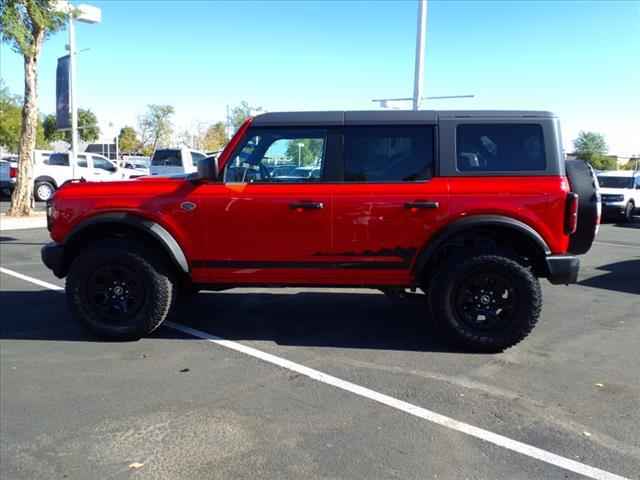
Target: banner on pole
<point>62,94</point>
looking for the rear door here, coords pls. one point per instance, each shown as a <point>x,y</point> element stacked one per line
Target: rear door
<point>259,229</point>
<point>387,204</point>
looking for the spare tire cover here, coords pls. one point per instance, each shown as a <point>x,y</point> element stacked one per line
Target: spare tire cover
<point>583,181</point>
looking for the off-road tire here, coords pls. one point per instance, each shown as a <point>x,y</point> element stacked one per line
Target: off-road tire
<point>583,181</point>
<point>445,289</point>
<point>40,185</point>
<point>156,281</point>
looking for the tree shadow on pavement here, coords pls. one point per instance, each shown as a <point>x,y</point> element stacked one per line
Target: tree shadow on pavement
<point>621,277</point>
<point>337,320</point>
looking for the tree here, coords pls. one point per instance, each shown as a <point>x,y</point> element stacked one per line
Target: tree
<point>215,138</point>
<point>592,147</point>
<point>241,113</point>
<point>307,154</point>
<point>25,25</point>
<point>155,128</point>
<point>88,129</point>
<point>128,140</point>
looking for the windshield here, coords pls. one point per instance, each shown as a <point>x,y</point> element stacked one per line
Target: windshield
<point>615,182</point>
<point>166,158</point>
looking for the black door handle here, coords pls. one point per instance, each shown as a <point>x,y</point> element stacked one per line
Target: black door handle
<point>421,205</point>
<point>307,206</point>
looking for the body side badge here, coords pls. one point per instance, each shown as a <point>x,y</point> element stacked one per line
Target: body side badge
<point>188,206</point>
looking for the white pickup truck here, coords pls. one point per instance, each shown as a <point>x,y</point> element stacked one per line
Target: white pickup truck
<point>52,169</point>
<point>173,161</point>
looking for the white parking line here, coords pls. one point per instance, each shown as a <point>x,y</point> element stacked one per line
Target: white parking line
<point>617,244</point>
<point>428,415</point>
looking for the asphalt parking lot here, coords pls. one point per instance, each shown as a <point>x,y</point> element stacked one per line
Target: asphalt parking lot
<point>180,407</point>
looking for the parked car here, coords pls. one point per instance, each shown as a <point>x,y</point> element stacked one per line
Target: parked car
<point>9,169</point>
<point>472,208</point>
<point>620,191</point>
<point>171,161</point>
<point>139,167</point>
<point>91,167</point>
<point>299,174</point>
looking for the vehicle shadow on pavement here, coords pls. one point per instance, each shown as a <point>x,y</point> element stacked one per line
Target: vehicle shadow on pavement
<point>621,277</point>
<point>634,224</point>
<point>337,320</point>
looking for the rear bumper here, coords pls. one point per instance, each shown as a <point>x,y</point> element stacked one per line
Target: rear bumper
<point>563,269</point>
<point>53,257</point>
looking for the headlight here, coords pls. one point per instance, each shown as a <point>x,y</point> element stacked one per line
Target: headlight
<point>612,198</point>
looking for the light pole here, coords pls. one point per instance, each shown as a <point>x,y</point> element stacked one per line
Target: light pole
<point>87,14</point>
<point>300,145</point>
<point>420,40</point>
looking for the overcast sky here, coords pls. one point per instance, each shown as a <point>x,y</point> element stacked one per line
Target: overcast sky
<point>578,59</point>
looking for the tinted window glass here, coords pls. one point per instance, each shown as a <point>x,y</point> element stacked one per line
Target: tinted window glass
<point>167,158</point>
<point>388,154</point>
<point>196,157</point>
<point>615,182</point>
<point>103,164</point>
<point>82,161</point>
<point>500,148</point>
<point>278,155</point>
<point>59,159</point>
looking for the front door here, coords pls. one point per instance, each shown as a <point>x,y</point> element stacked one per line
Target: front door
<point>387,204</point>
<point>269,221</point>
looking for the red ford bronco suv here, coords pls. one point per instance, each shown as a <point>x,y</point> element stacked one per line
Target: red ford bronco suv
<point>468,207</point>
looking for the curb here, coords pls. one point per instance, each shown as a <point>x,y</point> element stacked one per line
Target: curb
<point>39,220</point>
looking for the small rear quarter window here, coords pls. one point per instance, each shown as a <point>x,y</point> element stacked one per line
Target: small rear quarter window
<point>494,147</point>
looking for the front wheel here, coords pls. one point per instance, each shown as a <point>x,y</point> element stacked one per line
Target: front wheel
<point>627,215</point>
<point>119,289</point>
<point>43,191</point>
<point>485,299</point>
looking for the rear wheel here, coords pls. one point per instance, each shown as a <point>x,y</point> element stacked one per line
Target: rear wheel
<point>485,299</point>
<point>119,289</point>
<point>43,191</point>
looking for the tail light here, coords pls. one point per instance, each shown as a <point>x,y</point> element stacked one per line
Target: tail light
<point>13,172</point>
<point>571,214</point>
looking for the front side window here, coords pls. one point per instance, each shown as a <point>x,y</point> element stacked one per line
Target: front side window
<point>495,147</point>
<point>388,154</point>
<point>278,156</point>
<point>103,164</point>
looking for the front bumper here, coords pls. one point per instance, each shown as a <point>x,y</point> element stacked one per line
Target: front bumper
<point>53,257</point>
<point>609,209</point>
<point>563,269</point>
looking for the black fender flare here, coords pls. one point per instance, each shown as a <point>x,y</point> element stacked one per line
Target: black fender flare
<point>150,227</point>
<point>445,233</point>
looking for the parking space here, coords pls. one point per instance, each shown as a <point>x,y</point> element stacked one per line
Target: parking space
<point>184,407</point>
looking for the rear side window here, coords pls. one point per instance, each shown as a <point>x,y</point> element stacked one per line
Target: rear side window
<point>500,148</point>
<point>167,158</point>
<point>388,154</point>
<point>58,159</point>
<point>196,157</point>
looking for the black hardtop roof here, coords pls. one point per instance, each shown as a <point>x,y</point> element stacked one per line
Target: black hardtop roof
<point>388,117</point>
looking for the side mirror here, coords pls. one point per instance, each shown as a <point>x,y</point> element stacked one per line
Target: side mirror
<point>208,169</point>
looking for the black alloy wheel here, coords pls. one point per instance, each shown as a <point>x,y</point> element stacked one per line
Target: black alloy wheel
<point>486,301</point>
<point>116,293</point>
